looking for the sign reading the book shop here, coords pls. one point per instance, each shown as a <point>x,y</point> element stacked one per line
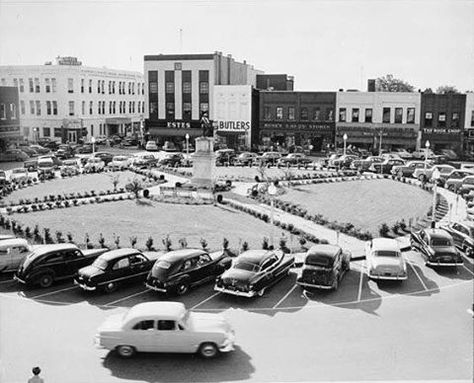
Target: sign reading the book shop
<point>449,131</point>
<point>232,126</point>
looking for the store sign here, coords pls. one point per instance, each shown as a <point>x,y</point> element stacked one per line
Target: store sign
<point>441,131</point>
<point>232,126</point>
<point>178,124</point>
<point>357,131</point>
<point>72,123</point>
<point>175,124</point>
<point>298,126</point>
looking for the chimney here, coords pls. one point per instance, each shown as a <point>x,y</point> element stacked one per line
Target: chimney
<point>371,85</point>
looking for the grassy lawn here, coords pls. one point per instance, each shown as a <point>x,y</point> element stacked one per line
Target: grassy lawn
<point>81,183</point>
<point>127,218</point>
<point>366,204</point>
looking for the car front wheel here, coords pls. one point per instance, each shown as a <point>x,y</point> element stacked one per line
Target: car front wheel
<point>126,351</point>
<point>46,280</point>
<point>182,289</point>
<point>110,287</point>
<point>208,350</point>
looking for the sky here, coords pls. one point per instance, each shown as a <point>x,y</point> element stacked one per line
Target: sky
<point>325,45</point>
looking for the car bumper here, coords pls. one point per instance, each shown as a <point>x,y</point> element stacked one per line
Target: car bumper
<point>247,294</point>
<point>314,286</point>
<point>228,345</point>
<point>388,277</point>
<point>447,264</point>
<point>84,286</point>
<point>159,289</point>
<point>19,280</point>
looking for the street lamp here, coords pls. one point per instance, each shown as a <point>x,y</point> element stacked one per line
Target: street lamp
<point>187,144</point>
<point>434,177</point>
<point>344,137</point>
<point>427,147</point>
<point>272,191</point>
<point>93,145</point>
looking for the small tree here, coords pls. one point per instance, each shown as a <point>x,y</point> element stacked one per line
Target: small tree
<point>28,233</point>
<point>59,237</point>
<point>447,89</point>
<point>225,243</point>
<point>167,242</point>
<point>149,244</point>
<point>383,230</point>
<point>134,186</point>
<point>47,235</point>
<point>183,243</point>
<point>282,243</point>
<point>133,241</point>
<point>36,233</point>
<point>69,237</point>
<point>265,243</point>
<point>101,241</point>
<point>116,240</point>
<point>115,179</point>
<point>389,83</point>
<point>245,246</point>
<point>203,243</point>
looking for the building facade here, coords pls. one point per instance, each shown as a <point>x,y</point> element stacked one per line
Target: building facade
<point>181,89</point>
<point>375,120</point>
<point>275,82</point>
<point>70,102</point>
<point>289,119</point>
<point>442,121</point>
<point>469,124</point>
<point>9,117</point>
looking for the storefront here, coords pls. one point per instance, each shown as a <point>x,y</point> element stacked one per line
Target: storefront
<point>121,126</point>
<point>444,138</point>
<point>73,131</point>
<point>175,132</point>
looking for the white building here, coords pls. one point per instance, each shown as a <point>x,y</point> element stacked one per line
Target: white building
<point>469,122</point>
<point>379,119</point>
<point>181,88</point>
<point>67,101</point>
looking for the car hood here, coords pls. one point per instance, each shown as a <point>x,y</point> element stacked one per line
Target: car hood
<point>206,322</point>
<point>387,261</point>
<point>237,275</point>
<point>112,323</point>
<point>90,271</point>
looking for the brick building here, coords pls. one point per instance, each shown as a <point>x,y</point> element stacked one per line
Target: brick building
<point>9,117</point>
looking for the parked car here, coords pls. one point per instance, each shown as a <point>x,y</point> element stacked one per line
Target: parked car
<point>19,175</point>
<point>100,140</point>
<point>12,253</point>
<point>49,263</point>
<point>118,163</point>
<point>225,156</point>
<point>40,149</point>
<point>129,141</point>
<point>46,168</point>
<point>104,156</point>
<point>151,146</point>
<point>84,149</point>
<point>385,260</point>
<point>12,155</point>
<point>364,164</point>
<point>425,175</point>
<point>114,268</point>
<point>94,165</point>
<point>4,237</point>
<point>246,158</point>
<point>295,159</point>
<point>463,236</point>
<point>403,154</point>
<point>422,154</point>
<point>63,154</point>
<point>172,159</point>
<point>407,169</point>
<point>169,147</point>
<point>324,267</point>
<point>29,151</point>
<point>450,154</point>
<point>143,160</point>
<point>269,158</point>
<point>436,246</point>
<point>254,271</point>
<point>467,185</point>
<point>50,157</point>
<point>177,271</point>
<point>455,178</point>
<point>48,143</point>
<point>69,168</point>
<point>344,161</point>
<point>166,327</point>
<point>3,178</point>
<point>386,166</point>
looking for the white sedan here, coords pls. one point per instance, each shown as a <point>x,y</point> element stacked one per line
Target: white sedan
<point>119,163</point>
<point>385,260</point>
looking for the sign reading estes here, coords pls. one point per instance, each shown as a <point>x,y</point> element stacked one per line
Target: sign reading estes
<point>232,126</point>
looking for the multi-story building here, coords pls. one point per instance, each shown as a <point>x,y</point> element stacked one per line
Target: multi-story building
<point>9,117</point>
<point>70,102</point>
<point>375,120</point>
<point>275,82</point>
<point>442,120</point>
<point>181,89</point>
<point>288,119</point>
<point>469,124</point>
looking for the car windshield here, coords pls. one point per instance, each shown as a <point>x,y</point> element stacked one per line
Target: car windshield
<point>469,181</point>
<point>386,253</point>
<point>242,265</point>
<point>318,260</point>
<point>120,158</point>
<point>69,163</point>
<point>440,242</point>
<point>19,171</point>
<point>100,263</point>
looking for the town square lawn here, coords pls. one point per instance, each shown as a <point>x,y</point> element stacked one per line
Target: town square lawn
<point>364,203</point>
<point>150,218</point>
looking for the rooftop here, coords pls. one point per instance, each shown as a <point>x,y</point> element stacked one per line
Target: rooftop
<point>169,309</point>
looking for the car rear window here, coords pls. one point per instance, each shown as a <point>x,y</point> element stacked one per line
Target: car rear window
<point>440,242</point>
<point>386,253</point>
<point>318,260</point>
<point>246,266</point>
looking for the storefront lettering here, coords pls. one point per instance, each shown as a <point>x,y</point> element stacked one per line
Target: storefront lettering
<point>441,131</point>
<point>297,126</point>
<point>233,126</point>
<point>178,124</point>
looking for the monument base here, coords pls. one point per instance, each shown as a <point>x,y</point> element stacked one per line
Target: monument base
<point>204,163</point>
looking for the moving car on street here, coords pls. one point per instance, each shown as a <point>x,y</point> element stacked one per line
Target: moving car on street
<point>114,268</point>
<point>246,159</point>
<point>143,160</point>
<point>463,236</point>
<point>225,156</point>
<point>294,159</point>
<point>344,161</point>
<point>425,175</point>
<point>386,166</point>
<point>165,327</point>
<point>407,169</point>
<point>254,271</point>
<point>12,253</point>
<point>384,260</point>
<point>324,267</point>
<point>436,246</point>
<point>177,271</point>
<point>49,263</point>
<point>172,159</point>
<point>69,168</point>
<point>364,164</point>
<point>454,179</point>
<point>269,158</point>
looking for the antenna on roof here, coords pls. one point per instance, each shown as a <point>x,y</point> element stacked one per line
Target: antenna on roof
<point>181,40</point>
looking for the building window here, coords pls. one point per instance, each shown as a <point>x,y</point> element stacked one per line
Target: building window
<point>47,85</point>
<point>386,115</point>
<point>83,107</point>
<point>92,130</point>
<point>143,88</point>
<point>90,86</point>
<point>204,87</point>
<point>428,118</point>
<point>203,107</point>
<point>170,110</point>
<point>442,119</point>
<point>32,107</point>
<point>48,108</point>
<point>103,87</point>
<point>291,113</point>
<point>82,85</point>
<point>368,115</point>
<point>113,87</point>
<point>186,87</point>
<point>342,114</point>
<point>153,87</point>
<point>12,111</point>
<point>317,114</point>
<point>153,108</point>
<point>15,82</point>
<point>186,111</point>
<point>70,85</point>
<point>58,132</point>
<point>22,107</point>
<point>304,113</point>
<point>37,85</point>
<point>455,120</point>
<point>472,118</point>
<point>398,115</point>
<point>109,84</point>
<point>55,108</point>
<point>410,115</point>
<point>330,114</point>
<point>38,108</point>
<point>170,87</point>
<point>53,85</point>
<point>355,115</point>
<point>267,113</point>
<point>138,88</point>
<point>46,132</point>
<point>113,107</point>
<point>110,107</point>
<point>279,113</point>
<point>3,112</point>
<point>22,85</point>
<point>71,108</point>
<point>91,105</point>
<point>30,82</point>
<point>98,86</point>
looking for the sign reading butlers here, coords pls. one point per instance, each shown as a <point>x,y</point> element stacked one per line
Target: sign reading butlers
<point>232,126</point>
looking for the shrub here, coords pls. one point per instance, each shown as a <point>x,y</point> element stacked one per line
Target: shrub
<point>403,225</point>
<point>28,232</point>
<point>183,243</point>
<point>47,235</point>
<point>265,243</point>
<point>36,233</point>
<point>282,244</point>
<point>59,237</point>
<point>167,242</point>
<point>101,241</point>
<point>203,243</point>
<point>323,242</point>
<point>69,237</point>
<point>383,230</point>
<point>245,246</point>
<point>396,227</point>
<point>302,241</point>
<point>225,243</point>
<point>133,241</point>
<point>149,244</point>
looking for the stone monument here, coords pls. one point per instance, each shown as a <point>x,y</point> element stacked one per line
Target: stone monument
<point>204,159</point>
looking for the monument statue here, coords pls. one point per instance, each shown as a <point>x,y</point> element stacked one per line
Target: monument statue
<point>206,125</point>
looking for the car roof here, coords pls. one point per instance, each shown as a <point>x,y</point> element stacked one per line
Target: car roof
<point>44,249</point>
<point>163,309</point>
<point>13,242</point>
<point>178,255</point>
<point>438,233</point>
<point>385,244</point>
<point>114,254</point>
<point>255,256</point>
<point>329,251</point>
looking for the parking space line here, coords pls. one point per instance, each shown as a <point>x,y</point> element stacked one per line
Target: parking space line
<point>127,297</point>
<point>205,300</point>
<point>417,275</point>
<point>467,269</point>
<point>51,292</point>
<point>285,296</point>
<point>469,260</point>
<point>359,294</point>
<point>8,281</point>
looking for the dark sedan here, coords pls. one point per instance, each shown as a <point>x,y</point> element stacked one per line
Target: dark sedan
<point>104,156</point>
<point>177,271</point>
<point>172,159</point>
<point>324,266</point>
<point>463,236</point>
<point>254,271</point>
<point>116,267</point>
<point>364,164</point>
<point>436,246</point>
<point>295,159</point>
<point>386,166</point>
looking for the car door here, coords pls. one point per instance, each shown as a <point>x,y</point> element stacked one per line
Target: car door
<point>139,266</point>
<point>5,259</point>
<point>18,253</point>
<point>143,335</point>
<point>119,270</point>
<point>268,272</point>
<point>456,233</point>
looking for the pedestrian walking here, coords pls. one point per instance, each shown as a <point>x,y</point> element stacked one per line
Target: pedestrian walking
<point>36,378</point>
